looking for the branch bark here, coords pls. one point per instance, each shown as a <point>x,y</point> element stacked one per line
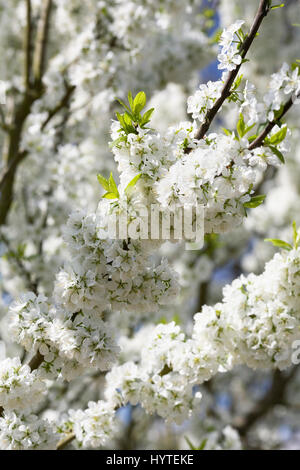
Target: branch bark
<point>27,45</point>
<point>263,10</point>
<point>260,139</point>
<point>13,156</point>
<point>39,58</point>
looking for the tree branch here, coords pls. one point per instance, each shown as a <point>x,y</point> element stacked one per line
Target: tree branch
<point>260,139</point>
<point>27,45</point>
<point>39,58</point>
<point>263,9</point>
<point>62,104</point>
<point>65,441</point>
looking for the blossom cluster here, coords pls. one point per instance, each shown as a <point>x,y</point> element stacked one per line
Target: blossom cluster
<point>19,387</point>
<point>19,431</point>
<point>256,324</point>
<point>94,426</point>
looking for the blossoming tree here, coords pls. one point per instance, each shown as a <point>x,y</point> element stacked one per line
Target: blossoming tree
<point>104,336</point>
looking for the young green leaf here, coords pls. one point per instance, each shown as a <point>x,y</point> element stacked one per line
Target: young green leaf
<point>277,153</point>
<point>124,105</point>
<point>255,201</point>
<point>296,237</point>
<point>118,141</point>
<point>139,102</point>
<point>130,100</point>
<point>277,138</point>
<point>110,196</point>
<point>277,6</point>
<point>112,186</point>
<point>133,182</point>
<point>226,131</point>
<point>103,181</point>
<point>279,243</point>
<point>146,117</point>
<point>241,127</point>
<point>189,443</point>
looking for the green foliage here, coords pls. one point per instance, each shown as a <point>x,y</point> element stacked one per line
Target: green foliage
<point>241,127</point>
<point>110,187</point>
<point>279,243</point>
<point>192,447</point>
<point>296,236</point>
<point>284,245</point>
<point>132,118</point>
<point>277,153</point>
<point>255,201</point>
<point>277,138</point>
<point>132,183</point>
<point>277,6</point>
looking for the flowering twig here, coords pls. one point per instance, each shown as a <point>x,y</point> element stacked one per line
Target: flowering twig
<point>65,441</point>
<point>261,137</point>
<point>27,45</point>
<point>263,9</point>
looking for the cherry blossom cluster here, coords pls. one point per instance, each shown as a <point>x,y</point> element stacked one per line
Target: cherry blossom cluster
<point>256,324</point>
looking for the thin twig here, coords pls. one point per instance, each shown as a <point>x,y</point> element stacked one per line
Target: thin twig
<point>27,45</point>
<point>260,139</point>
<point>65,441</point>
<point>62,104</point>
<point>42,41</point>
<point>262,11</point>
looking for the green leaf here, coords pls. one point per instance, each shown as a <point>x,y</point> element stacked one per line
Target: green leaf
<point>202,445</point>
<point>279,243</point>
<point>121,120</point>
<point>295,235</point>
<point>237,82</point>
<point>189,443</point>
<point>252,138</point>
<point>146,117</point>
<point>130,100</point>
<point>112,186</point>
<point>277,153</point>
<point>139,102</point>
<point>132,182</point>
<point>110,196</point>
<point>277,6</point>
<point>117,141</point>
<point>241,127</point>
<point>277,138</point>
<point>226,131</point>
<point>255,201</point>
<point>103,181</point>
<point>124,105</point>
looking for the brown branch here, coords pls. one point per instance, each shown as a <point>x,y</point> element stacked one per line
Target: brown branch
<point>3,124</point>
<point>36,361</point>
<point>40,51</point>
<point>27,45</point>
<point>263,9</point>
<point>62,104</point>
<point>260,139</point>
<point>65,441</point>
<point>13,156</point>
